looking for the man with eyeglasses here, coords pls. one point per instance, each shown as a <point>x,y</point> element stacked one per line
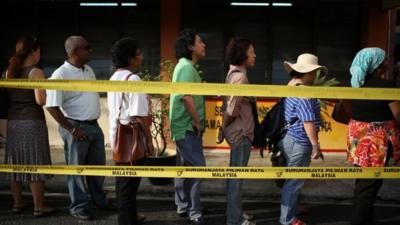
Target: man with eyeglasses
<point>77,113</point>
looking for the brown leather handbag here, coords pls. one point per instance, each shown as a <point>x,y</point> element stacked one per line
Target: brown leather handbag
<point>130,139</point>
<point>342,111</point>
<point>130,143</point>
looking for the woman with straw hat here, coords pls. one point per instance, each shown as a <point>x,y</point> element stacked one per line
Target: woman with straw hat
<point>300,142</point>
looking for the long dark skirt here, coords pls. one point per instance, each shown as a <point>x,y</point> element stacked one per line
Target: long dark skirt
<point>27,143</point>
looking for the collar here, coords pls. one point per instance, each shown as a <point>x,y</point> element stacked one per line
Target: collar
<point>69,66</point>
<point>183,59</point>
<point>234,67</point>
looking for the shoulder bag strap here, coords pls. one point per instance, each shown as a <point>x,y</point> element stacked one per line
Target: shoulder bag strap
<point>226,79</point>
<point>123,95</point>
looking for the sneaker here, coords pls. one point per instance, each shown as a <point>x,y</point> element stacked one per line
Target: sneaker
<point>248,222</point>
<point>248,216</point>
<point>298,222</point>
<point>197,221</point>
<point>185,214</point>
<point>82,215</point>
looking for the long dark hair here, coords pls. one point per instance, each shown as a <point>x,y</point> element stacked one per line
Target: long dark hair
<point>23,48</point>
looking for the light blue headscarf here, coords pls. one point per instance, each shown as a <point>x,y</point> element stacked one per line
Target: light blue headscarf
<point>366,61</point>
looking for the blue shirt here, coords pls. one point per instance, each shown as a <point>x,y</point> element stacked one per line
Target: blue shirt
<point>305,110</point>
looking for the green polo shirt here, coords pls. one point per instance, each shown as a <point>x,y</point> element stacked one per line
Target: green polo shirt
<point>180,120</point>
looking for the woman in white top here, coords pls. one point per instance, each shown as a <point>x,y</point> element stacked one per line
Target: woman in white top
<point>127,59</point>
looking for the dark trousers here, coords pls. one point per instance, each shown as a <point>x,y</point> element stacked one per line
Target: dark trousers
<point>365,192</point>
<point>126,191</point>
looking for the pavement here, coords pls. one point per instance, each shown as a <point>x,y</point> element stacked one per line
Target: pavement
<point>329,201</point>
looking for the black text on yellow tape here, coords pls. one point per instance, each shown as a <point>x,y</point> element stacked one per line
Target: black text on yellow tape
<point>211,89</point>
<point>213,172</point>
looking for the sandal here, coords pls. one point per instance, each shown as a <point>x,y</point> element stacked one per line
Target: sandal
<point>18,209</point>
<point>141,218</point>
<point>43,213</point>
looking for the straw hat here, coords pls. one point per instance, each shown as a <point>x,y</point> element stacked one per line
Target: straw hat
<point>305,63</point>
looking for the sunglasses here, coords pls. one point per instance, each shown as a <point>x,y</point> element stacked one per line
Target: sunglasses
<point>87,47</point>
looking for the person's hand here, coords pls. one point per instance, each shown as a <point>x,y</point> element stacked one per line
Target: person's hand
<point>150,148</point>
<point>79,134</point>
<point>316,152</point>
<point>196,127</point>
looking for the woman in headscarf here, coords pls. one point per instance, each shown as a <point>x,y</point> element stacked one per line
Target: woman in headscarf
<point>373,137</point>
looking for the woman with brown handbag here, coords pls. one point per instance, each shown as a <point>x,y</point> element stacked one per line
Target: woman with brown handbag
<point>130,136</point>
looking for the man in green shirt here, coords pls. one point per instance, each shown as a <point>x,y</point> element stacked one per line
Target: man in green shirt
<point>187,116</point>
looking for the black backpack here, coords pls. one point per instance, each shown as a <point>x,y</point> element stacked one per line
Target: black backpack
<point>275,127</point>
<point>274,124</point>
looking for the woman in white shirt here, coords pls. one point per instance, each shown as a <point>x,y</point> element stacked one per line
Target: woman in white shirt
<point>127,59</point>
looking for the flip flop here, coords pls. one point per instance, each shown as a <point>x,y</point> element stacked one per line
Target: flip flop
<point>141,218</point>
<point>43,213</point>
<point>18,209</point>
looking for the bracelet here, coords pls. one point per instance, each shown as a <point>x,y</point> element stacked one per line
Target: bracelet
<point>316,145</point>
<point>73,130</point>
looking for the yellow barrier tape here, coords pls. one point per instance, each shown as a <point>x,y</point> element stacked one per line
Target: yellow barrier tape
<point>212,172</point>
<point>207,89</point>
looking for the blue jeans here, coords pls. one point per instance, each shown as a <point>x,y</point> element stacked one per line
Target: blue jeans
<point>239,157</point>
<point>88,152</point>
<point>296,155</point>
<point>187,190</point>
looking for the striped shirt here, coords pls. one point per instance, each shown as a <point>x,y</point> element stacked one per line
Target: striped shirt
<point>306,110</point>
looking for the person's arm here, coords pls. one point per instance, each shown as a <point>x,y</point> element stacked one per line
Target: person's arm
<point>40,94</point>
<point>311,131</point>
<point>190,107</point>
<point>233,103</point>
<point>56,113</point>
<point>307,111</point>
<point>395,108</point>
<point>232,110</point>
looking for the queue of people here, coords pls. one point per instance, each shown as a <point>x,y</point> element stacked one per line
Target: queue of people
<point>373,138</point>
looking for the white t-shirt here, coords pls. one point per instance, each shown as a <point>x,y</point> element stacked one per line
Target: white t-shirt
<point>76,105</point>
<point>134,104</point>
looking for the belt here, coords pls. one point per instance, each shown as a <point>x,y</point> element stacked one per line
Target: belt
<point>84,121</point>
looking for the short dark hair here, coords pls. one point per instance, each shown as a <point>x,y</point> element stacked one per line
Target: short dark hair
<point>123,50</point>
<point>236,50</point>
<point>186,38</point>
